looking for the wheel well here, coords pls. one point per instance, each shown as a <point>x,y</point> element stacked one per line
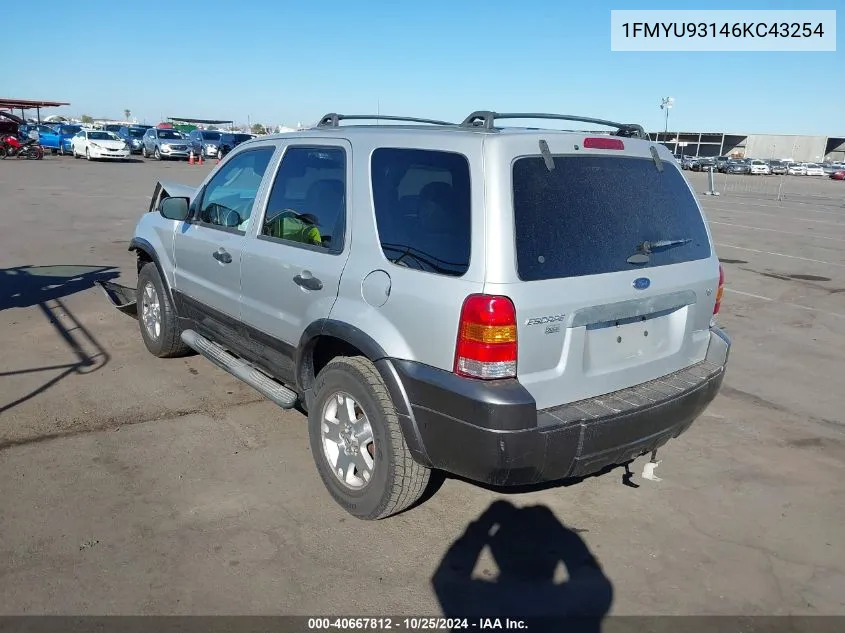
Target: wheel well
<point>143,258</point>
<point>320,352</point>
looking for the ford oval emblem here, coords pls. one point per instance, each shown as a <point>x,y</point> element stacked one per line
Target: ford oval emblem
<point>641,283</point>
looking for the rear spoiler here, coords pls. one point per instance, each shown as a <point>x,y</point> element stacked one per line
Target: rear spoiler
<point>170,190</point>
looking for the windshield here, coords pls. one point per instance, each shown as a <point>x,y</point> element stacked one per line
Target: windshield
<point>590,214</point>
<point>136,132</point>
<point>812,166</point>
<point>71,129</point>
<point>102,136</point>
<point>211,136</point>
<point>169,134</point>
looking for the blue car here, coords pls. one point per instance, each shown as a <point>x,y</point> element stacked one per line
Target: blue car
<point>57,139</point>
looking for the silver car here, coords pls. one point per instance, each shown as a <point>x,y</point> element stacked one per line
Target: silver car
<point>510,305</point>
<point>164,143</point>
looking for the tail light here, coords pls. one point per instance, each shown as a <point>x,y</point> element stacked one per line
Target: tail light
<point>720,290</point>
<point>486,346</point>
<point>602,142</point>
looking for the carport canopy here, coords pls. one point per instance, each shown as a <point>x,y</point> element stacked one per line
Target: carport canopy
<point>180,119</point>
<point>29,104</point>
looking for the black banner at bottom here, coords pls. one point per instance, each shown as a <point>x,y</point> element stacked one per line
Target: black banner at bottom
<point>342,624</point>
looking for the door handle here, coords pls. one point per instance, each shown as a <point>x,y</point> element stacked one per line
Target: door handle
<point>312,283</point>
<point>222,256</point>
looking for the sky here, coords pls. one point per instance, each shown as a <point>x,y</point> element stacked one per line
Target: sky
<point>285,62</point>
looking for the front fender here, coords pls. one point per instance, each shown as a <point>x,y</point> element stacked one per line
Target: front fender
<point>154,237</point>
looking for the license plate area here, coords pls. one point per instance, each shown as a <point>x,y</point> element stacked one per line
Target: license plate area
<point>614,345</point>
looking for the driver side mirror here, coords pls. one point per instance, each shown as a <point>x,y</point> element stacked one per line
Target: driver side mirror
<point>175,208</point>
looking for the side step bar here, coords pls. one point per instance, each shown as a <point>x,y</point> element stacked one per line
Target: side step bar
<point>240,369</point>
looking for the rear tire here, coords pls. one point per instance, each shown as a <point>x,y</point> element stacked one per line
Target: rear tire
<point>396,481</point>
<point>163,341</point>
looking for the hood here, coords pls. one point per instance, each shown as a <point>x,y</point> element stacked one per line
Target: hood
<point>170,190</point>
<point>111,144</point>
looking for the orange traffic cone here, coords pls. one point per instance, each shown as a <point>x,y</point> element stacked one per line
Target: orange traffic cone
<point>191,158</point>
<point>199,162</point>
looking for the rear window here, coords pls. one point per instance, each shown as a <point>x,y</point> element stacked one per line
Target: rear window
<point>422,205</point>
<point>591,213</point>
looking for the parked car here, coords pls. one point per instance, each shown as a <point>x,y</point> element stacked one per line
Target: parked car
<point>35,131</point>
<point>813,169</point>
<point>738,166</point>
<point>99,144</point>
<point>703,164</point>
<point>134,136</point>
<point>759,168</point>
<point>58,138</point>
<point>688,162</point>
<point>164,143</point>
<point>205,143</point>
<point>830,168</point>
<point>838,175</point>
<point>777,167</point>
<point>797,169</point>
<point>720,162</point>
<point>228,141</point>
<point>410,347</point>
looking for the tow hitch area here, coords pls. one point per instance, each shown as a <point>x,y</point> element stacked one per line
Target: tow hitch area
<point>121,297</point>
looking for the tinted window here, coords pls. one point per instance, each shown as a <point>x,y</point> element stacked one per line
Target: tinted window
<point>422,205</point>
<point>307,203</point>
<point>210,136</point>
<point>590,213</point>
<point>135,132</point>
<point>102,136</point>
<point>170,134</point>
<point>228,198</point>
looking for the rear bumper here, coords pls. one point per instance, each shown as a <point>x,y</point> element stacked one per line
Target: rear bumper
<point>493,433</point>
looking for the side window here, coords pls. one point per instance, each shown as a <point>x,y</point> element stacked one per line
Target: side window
<point>228,198</point>
<point>307,203</point>
<point>423,209</point>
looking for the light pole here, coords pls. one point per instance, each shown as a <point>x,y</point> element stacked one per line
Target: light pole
<point>666,104</point>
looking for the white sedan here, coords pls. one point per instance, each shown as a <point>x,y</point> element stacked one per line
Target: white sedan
<point>812,169</point>
<point>797,169</point>
<point>759,167</point>
<point>95,144</point>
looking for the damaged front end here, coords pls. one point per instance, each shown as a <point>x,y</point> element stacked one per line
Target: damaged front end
<point>124,298</point>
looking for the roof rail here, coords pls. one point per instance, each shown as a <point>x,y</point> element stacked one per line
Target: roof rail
<point>333,119</point>
<point>487,119</point>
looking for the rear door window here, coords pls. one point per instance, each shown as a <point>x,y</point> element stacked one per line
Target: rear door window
<point>591,213</point>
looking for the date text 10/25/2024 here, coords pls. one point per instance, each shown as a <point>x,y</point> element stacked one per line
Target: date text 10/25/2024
<point>415,624</point>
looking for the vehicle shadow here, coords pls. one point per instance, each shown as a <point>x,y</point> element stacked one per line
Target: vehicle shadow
<point>547,576</point>
<point>44,287</point>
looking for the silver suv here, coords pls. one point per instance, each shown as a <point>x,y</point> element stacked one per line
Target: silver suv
<point>510,305</point>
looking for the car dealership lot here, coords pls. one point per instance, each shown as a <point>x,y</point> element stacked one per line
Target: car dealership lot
<point>137,485</point>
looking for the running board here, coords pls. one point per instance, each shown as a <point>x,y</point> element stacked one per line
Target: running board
<point>241,370</point>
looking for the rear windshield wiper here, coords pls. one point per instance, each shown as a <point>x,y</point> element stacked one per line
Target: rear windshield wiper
<point>645,249</point>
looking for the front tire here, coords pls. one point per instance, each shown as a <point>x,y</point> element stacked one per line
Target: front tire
<point>144,152</point>
<point>357,443</point>
<point>156,316</point>
<point>156,153</point>
<point>88,154</point>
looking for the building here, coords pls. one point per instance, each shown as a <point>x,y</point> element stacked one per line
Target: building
<point>782,146</point>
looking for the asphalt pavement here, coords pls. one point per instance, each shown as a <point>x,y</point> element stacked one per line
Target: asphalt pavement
<point>133,485</point>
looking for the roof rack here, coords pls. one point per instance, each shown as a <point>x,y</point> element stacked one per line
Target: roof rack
<point>487,120</point>
<point>333,119</point>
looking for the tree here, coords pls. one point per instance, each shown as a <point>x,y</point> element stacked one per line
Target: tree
<point>126,113</point>
<point>86,119</point>
<point>257,128</point>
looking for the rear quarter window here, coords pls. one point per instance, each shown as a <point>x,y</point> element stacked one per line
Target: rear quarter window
<point>422,207</point>
<point>589,214</point>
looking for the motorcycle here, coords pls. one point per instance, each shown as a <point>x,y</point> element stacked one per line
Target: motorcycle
<point>12,145</point>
